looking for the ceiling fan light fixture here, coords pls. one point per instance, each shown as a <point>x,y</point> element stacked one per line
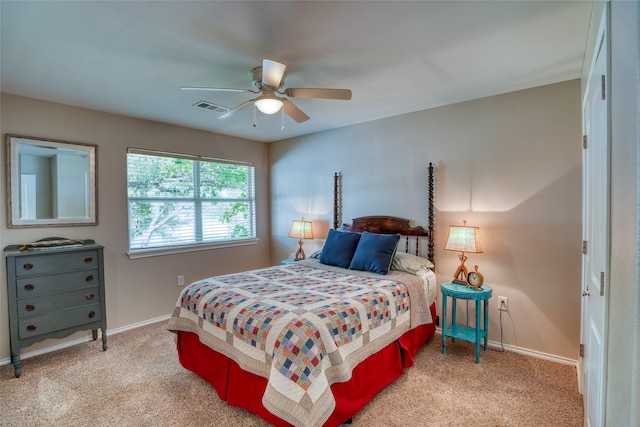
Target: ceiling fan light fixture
<point>268,104</point>
<point>267,81</point>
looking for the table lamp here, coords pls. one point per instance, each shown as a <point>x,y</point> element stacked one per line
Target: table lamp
<point>463,239</point>
<point>301,230</point>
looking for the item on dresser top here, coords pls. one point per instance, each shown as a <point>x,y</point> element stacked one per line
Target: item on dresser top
<point>51,243</point>
<point>53,294</point>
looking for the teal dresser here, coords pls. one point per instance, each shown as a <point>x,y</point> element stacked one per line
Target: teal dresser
<point>474,334</point>
<point>54,293</point>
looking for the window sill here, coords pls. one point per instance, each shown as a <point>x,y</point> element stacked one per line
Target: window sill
<point>145,253</point>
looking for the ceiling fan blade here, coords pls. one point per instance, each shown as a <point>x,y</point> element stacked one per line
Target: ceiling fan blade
<point>216,89</point>
<point>343,94</point>
<point>272,73</point>
<point>236,109</point>
<point>293,111</point>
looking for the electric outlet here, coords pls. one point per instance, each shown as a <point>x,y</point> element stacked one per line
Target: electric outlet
<point>503,303</point>
<point>180,280</point>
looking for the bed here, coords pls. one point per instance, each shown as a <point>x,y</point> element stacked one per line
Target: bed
<point>310,343</point>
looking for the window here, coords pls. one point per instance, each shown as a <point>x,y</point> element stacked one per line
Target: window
<point>179,200</point>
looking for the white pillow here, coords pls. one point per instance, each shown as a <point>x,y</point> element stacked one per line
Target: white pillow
<point>410,263</point>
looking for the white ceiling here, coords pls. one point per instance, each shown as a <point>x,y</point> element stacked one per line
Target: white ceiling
<point>132,57</point>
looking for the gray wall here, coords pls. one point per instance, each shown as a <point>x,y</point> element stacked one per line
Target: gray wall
<point>510,164</point>
<point>141,289</point>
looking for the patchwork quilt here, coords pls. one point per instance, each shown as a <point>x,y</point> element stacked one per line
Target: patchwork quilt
<point>303,326</point>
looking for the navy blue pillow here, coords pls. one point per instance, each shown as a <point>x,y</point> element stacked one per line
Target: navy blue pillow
<point>339,248</point>
<point>375,252</point>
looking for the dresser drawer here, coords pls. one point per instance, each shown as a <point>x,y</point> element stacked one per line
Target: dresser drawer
<point>58,320</point>
<point>53,263</point>
<point>28,287</point>
<point>43,305</point>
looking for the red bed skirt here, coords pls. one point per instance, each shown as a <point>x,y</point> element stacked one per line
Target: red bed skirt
<point>244,390</point>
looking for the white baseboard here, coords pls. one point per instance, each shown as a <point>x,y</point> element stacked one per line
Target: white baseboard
<point>493,344</point>
<point>88,338</point>
<point>580,368</point>
<point>528,352</point>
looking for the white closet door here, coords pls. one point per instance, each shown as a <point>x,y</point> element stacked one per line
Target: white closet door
<point>596,231</point>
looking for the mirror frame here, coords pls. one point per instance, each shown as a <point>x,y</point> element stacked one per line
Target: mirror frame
<point>13,182</point>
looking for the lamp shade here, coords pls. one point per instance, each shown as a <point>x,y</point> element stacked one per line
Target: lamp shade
<point>463,239</point>
<point>269,104</point>
<point>301,229</point>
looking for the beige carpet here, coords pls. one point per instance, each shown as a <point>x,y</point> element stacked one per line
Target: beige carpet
<point>139,382</point>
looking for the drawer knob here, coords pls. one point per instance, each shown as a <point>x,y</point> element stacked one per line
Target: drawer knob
<point>89,278</point>
<point>92,314</point>
<point>31,328</point>
<point>30,307</point>
<point>28,266</point>
<point>90,295</point>
<point>88,259</point>
<point>29,287</point>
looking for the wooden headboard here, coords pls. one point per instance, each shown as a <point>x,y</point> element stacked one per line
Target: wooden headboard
<point>390,224</point>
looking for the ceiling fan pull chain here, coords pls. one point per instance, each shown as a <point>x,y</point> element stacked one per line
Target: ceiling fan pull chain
<point>282,115</point>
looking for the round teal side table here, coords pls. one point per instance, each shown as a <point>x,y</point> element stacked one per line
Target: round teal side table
<point>475,334</point>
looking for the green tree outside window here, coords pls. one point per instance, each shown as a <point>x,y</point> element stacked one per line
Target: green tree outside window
<point>177,201</point>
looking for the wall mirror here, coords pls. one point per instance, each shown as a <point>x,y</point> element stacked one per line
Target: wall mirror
<point>50,183</point>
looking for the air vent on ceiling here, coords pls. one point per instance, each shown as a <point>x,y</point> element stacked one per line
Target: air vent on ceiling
<point>211,106</point>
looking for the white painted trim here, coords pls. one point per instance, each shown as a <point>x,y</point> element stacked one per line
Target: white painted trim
<point>580,368</point>
<point>528,352</point>
<point>110,332</point>
<point>493,344</point>
<point>145,253</point>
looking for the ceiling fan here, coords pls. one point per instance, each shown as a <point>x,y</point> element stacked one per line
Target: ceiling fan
<point>268,81</point>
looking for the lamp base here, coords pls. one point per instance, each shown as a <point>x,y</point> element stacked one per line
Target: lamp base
<point>300,252</point>
<point>460,276</point>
